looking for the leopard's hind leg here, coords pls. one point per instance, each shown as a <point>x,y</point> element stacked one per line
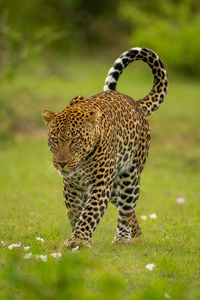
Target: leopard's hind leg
<point>124,195</point>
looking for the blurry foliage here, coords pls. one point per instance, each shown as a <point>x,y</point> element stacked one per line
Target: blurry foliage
<point>21,36</point>
<point>171,28</point>
<point>65,279</point>
<point>29,28</point>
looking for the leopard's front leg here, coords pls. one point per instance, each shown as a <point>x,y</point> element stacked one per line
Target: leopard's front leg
<point>92,212</point>
<point>74,200</point>
<point>89,219</point>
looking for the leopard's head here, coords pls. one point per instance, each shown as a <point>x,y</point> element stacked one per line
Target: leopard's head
<point>72,136</point>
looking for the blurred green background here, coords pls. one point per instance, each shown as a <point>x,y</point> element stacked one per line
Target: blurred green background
<point>46,38</point>
<point>51,51</point>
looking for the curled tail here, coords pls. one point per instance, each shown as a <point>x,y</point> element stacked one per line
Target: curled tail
<point>156,96</point>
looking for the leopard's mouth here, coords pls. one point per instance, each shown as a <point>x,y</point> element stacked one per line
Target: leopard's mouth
<point>66,170</point>
<point>66,174</point>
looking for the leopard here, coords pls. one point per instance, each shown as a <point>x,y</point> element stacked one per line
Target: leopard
<point>100,145</point>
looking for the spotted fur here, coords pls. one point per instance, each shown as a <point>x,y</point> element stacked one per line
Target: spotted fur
<point>100,146</point>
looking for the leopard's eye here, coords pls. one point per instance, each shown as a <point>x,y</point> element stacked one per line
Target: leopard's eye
<point>75,140</point>
<point>54,140</point>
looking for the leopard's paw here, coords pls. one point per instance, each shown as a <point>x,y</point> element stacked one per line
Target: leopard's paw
<point>74,242</point>
<point>122,240</point>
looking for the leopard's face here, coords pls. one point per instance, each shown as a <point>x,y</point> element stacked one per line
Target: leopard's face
<point>72,136</point>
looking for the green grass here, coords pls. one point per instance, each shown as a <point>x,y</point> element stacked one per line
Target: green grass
<point>31,201</point>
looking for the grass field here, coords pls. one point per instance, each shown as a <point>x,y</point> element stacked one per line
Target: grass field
<point>31,203</point>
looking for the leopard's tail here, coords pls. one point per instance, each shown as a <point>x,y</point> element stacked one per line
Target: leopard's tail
<point>156,96</point>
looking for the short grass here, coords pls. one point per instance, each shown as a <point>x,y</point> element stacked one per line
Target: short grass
<point>32,205</point>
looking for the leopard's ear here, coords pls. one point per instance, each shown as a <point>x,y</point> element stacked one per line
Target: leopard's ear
<point>48,115</point>
<point>93,116</point>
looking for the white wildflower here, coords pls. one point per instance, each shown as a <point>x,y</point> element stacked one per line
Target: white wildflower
<point>180,200</point>
<point>143,218</point>
<point>153,216</point>
<point>75,249</point>
<point>167,296</point>
<point>28,255</point>
<point>10,247</point>
<point>56,255</point>
<point>3,243</point>
<point>40,239</point>
<point>150,267</point>
<point>26,248</point>
<point>41,257</point>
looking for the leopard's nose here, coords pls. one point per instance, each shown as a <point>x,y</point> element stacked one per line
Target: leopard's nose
<point>62,164</point>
